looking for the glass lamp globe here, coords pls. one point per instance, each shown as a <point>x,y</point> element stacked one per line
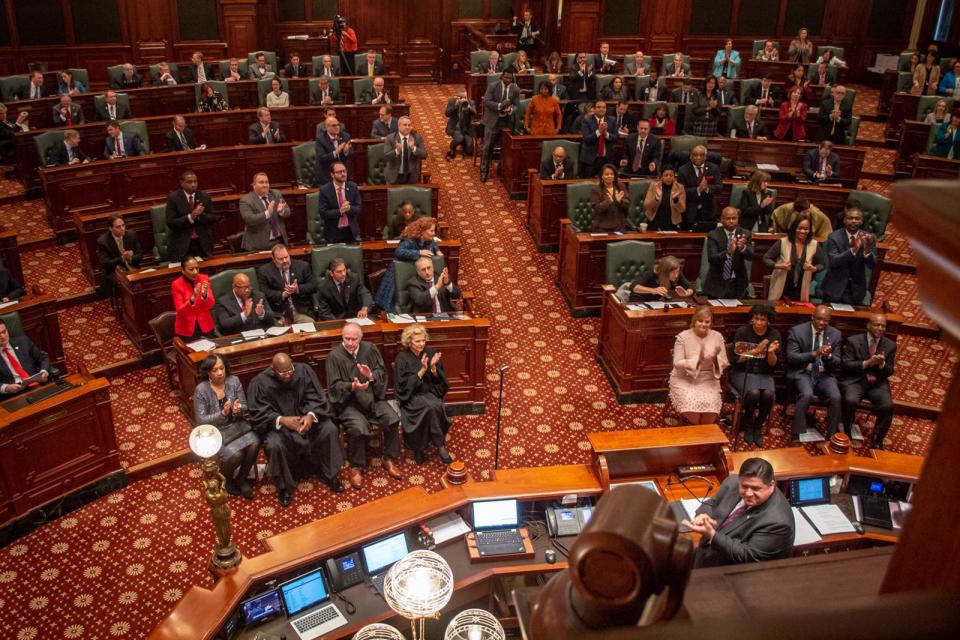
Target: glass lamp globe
<point>419,585</point>
<point>205,440</point>
<point>378,631</point>
<point>474,624</point>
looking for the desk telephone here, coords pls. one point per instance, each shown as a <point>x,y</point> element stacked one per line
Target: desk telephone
<point>345,571</point>
<point>564,521</point>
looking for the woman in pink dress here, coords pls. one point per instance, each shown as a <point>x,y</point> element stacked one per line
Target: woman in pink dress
<point>699,357</point>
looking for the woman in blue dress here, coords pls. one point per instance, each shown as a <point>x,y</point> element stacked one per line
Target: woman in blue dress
<point>418,239</point>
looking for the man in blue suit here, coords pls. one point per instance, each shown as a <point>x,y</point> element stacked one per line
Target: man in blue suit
<point>599,135</point>
<point>849,253</point>
<point>19,359</point>
<point>119,145</point>
<point>340,206</point>
<point>822,163</point>
<point>813,357</point>
<point>333,145</point>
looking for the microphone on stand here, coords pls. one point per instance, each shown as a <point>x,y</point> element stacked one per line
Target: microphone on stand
<point>496,456</point>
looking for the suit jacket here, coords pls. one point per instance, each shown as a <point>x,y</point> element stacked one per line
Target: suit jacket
<point>229,321</point>
<point>380,130</point>
<point>459,119</point>
<point>670,69</point>
<point>420,300</point>
<point>630,66</point>
<point>651,153</point>
<point>759,130</point>
<point>10,287</point>
<point>325,155</point>
<point>762,533</point>
<point>256,73</point>
<point>627,120</point>
<point>392,168</point>
<point>31,358</point>
<point>271,283</point>
<point>728,97</point>
<point>591,139</point>
<point>547,169</point>
<point>188,72</point>
<point>130,143</point>
<point>181,229</point>
<point>316,96</point>
<point>700,206</point>
<point>363,69</point>
<point>199,313</point>
<point>134,82</point>
<point>334,307</point>
<point>494,96</point>
<point>800,350</point>
<point>123,112</point>
<point>755,92</point>
<point>601,67</point>
<point>256,227</point>
<point>299,71</point>
<point>57,154</point>
<point>844,269</point>
<point>173,141</point>
<point>811,163</point>
<point>559,90</point>
<point>693,96</point>
<point>717,256</point>
<point>75,111</point>
<point>657,93</point>
<point>330,209</point>
<point>369,96</point>
<point>484,67</point>
<point>256,133</point>
<point>24,92</point>
<point>575,82</point>
<point>856,349</point>
<point>839,135</point>
<point>943,141</point>
<point>109,252</point>
<point>751,212</point>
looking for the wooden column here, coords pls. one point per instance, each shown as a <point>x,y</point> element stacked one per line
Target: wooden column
<point>239,26</point>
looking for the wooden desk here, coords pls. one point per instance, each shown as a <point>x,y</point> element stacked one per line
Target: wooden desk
<point>635,346</point>
<point>914,135</point>
<point>903,106</point>
<point>38,316</point>
<point>144,293</point>
<point>89,226</point>
<point>221,129</point>
<point>10,252</point>
<point>56,446</point>
<point>462,342</point>
<point>929,167</point>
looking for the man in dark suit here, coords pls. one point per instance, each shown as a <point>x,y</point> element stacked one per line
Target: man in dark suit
<point>655,91</point>
<point>404,152</point>
<point>263,211</point>
<point>766,94</point>
<point>822,163</point>
<point>849,254</point>
<point>34,89</point>
<point>624,121</point>
<point>580,84</point>
<point>69,152</point>
<point>493,64</point>
<point>331,146</point>
<point>117,248</point>
<point>643,150</point>
<point>558,166</point>
<point>868,362</point>
<point>599,137</point>
<point>602,62</point>
<point>835,117</point>
<point>118,145</point>
<point>340,206</point>
<point>243,309</point>
<point>129,79</point>
<point>677,68</point>
<point>324,93</point>
<point>288,285</point>
<point>265,130</point>
<point>728,248</point>
<point>499,103</point>
<point>66,113</point>
<point>198,71</point>
<point>8,130</point>
<point>460,112</point>
<point>180,138</point>
<point>557,88</point>
<point>371,67</point>
<point>813,358</point>
<point>685,94</point>
<point>377,94</point>
<point>385,124</point>
<point>19,359</point>
<point>702,182</point>
<point>752,127</point>
<point>429,295</point>
<point>294,68</point>
<point>111,110</point>
<point>747,520</point>
<point>726,96</point>
<point>10,287</point>
<point>190,218</point>
<point>342,294</point>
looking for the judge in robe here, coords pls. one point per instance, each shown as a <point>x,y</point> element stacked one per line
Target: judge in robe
<point>288,408</point>
<point>357,380</point>
<point>420,384</point>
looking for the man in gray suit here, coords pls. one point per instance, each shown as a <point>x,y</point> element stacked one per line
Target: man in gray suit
<point>499,102</point>
<point>403,152</point>
<point>263,211</point>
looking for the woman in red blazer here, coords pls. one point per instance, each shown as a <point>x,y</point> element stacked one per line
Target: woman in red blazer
<point>193,300</point>
<point>793,114</point>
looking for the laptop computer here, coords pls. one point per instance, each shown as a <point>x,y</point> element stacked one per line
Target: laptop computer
<point>496,527</point>
<point>379,556</point>
<point>309,592</point>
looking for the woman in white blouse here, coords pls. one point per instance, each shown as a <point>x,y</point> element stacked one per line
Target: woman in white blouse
<point>277,96</point>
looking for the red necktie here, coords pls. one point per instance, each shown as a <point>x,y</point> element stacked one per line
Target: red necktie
<point>69,117</point>
<point>344,222</point>
<point>193,234</point>
<point>872,378</point>
<point>23,375</point>
<point>853,246</point>
<point>119,148</point>
<point>601,141</point>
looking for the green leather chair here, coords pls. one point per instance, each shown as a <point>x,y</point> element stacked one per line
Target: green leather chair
<point>705,266</point>
<point>243,68</point>
<point>601,82</point>
<point>904,81</point>
<point>852,131</point>
<point>650,108</point>
<point>305,164</point>
<point>508,59</point>
<point>636,192</point>
<point>13,322</point>
<point>736,192</point>
<point>45,141</point>
<point>579,209</point>
<point>222,283</point>
<point>320,258</point>
<point>420,197</point>
<point>316,63</point>
<point>837,51</point>
<point>217,85</point>
<point>315,222</point>
<point>123,100</point>
<point>493,78</point>
<point>816,285</point>
<point>570,147</point>
<point>876,211</point>
<point>628,260</point>
<point>81,75</point>
<point>640,84</point>
<point>375,164</point>
<point>735,117</point>
<point>313,85</point>
<point>685,144</point>
<point>114,73</point>
<point>155,71</point>
<point>269,56</point>
<point>264,87</point>
<point>946,64</point>
<point>11,87</point>
<point>668,59</point>
<point>360,59</point>
<point>572,60</point>
<point>137,128</point>
<point>849,99</point>
<point>926,104</point>
<point>519,114</point>
<point>161,233</point>
<point>745,86</point>
<point>359,86</point>
<point>758,46</point>
<point>903,62</point>
<point>402,272</point>
<point>478,57</point>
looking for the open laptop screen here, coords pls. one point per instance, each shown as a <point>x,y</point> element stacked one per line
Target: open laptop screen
<point>304,592</point>
<point>383,553</point>
<point>495,514</point>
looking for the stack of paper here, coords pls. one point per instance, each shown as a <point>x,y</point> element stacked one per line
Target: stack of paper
<point>400,318</point>
<point>767,167</point>
<point>803,533</point>
<point>363,322</point>
<point>8,304</point>
<point>839,306</point>
<point>447,527</point>
<point>303,327</point>
<point>277,331</point>
<point>828,519</point>
<point>252,334</point>
<point>202,345</point>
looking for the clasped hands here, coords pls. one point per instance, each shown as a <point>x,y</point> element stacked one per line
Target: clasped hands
<point>300,424</point>
<point>276,206</point>
<point>410,143</point>
<point>876,360</point>
<point>738,243</point>
<point>702,524</point>
<point>290,289</point>
<point>232,407</point>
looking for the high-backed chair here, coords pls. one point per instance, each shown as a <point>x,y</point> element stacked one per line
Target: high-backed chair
<point>602,81</point>
<point>45,142</point>
<point>572,61</point>
<point>685,144</point>
<point>735,117</point>
<point>926,104</point>
<point>650,108</point>
<point>316,62</point>
<point>163,331</point>
<point>570,148</point>
<point>305,164</point>
<point>579,209</point>
<point>315,222</point>
<point>11,87</point>
<point>161,233</point>
<point>759,44</point>
<point>376,164</point>
<point>837,51</point>
<point>876,211</point>
<point>519,114</point>
<point>14,323</point>
<point>137,128</point>
<point>217,85</point>
<point>903,62</point>
<point>81,75</point>
<point>320,258</point>
<point>636,192</point>
<point>628,260</point>
<point>402,272</point>
<point>222,283</point>
<point>852,131</point>
<point>478,57</point>
<point>264,87</point>
<point>155,72</point>
<point>114,73</point>
<point>313,86</point>
<point>508,59</point>
<point>243,67</point>
<point>849,99</point>
<point>745,86</point>
<point>360,85</point>
<point>904,81</point>
<point>493,78</point>
<point>360,59</point>
<point>539,79</point>
<point>123,100</point>
<point>420,197</point>
<point>269,56</point>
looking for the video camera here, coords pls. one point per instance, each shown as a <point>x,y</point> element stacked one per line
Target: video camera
<point>339,23</point>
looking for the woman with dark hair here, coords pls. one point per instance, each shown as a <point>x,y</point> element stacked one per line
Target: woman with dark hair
<point>609,201</point>
<point>665,202</point>
<point>421,385</point>
<point>401,218</point>
<point>193,301</point>
<point>801,49</point>
<point>665,282</point>
<point>926,76</point>
<point>793,260</point>
<point>793,117</point>
<point>706,112</point>
<point>418,239</point>
<point>67,85</point>
<point>543,116</point>
<point>210,100</point>
<point>754,356</point>
<point>699,358</point>
<point>661,123</point>
<point>615,91</point>
<point>553,63</point>
<point>219,400</point>
<point>756,203</point>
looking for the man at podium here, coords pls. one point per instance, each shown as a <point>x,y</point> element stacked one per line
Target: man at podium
<point>21,359</point>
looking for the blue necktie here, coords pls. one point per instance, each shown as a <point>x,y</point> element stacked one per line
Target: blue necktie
<point>818,361</point>
<point>728,261</point>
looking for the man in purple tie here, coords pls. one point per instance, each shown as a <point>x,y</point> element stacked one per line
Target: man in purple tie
<point>263,211</point>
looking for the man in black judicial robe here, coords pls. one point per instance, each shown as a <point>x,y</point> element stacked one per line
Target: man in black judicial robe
<point>289,410</point>
<point>357,380</point>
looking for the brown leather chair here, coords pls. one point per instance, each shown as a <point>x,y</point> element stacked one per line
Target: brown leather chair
<point>162,327</point>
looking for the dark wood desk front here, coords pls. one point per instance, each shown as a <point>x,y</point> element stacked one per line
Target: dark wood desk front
<point>914,135</point>
<point>903,106</point>
<point>145,293</point>
<point>929,167</point>
<point>41,323</point>
<point>635,346</point>
<point>463,344</point>
<point>89,226</point>
<point>55,446</point>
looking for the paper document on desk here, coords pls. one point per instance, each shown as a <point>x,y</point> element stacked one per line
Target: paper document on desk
<point>762,166</point>
<point>690,505</point>
<point>277,331</point>
<point>803,532</point>
<point>253,334</point>
<point>202,345</point>
<point>303,327</point>
<point>730,302</point>
<point>839,306</point>
<point>363,322</point>
<point>447,527</point>
<point>8,304</point>
<point>828,519</point>
<point>400,318</point>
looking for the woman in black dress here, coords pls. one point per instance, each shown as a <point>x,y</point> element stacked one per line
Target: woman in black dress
<point>753,358</point>
<point>756,203</point>
<point>610,202</point>
<point>665,282</point>
<point>421,384</point>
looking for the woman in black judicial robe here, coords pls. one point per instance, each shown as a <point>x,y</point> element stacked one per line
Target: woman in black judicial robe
<point>421,384</point>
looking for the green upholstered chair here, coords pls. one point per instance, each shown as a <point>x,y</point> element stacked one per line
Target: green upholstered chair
<point>931,137</point>
<point>114,73</point>
<point>222,283</point>
<point>519,114</point>
<point>508,59</point>
<point>849,99</point>
<point>736,192</point>
<point>572,60</point>
<point>45,141</point>
<point>876,211</point>
<point>903,62</point>
<point>735,117</point>
<point>705,266</point>
<point>137,128</point>
<point>155,72</point>
<point>361,85</point>
<point>570,148</point>
<point>269,56</point>
<point>305,164</point>
<point>650,108</point>
<point>668,59</point>
<point>315,222</point>
<point>375,164</point>
<point>264,87</point>
<point>493,78</point>
<point>402,272</point>
<point>759,44</point>
<point>243,68</point>
<point>13,322</point>
<point>628,260</point>
<point>602,81</point>
<point>11,87</point>
<point>904,81</point>
<point>852,131</point>
<point>360,59</point>
<point>685,144</point>
<point>161,233</point>
<point>946,64</point>
<point>837,51</point>
<point>352,255</point>
<point>81,75</point>
<point>579,209</point>
<point>123,100</point>
<point>926,104</point>
<point>745,86</point>
<point>636,192</point>
<point>420,197</point>
<point>313,86</point>
<point>316,62</point>
<point>478,57</point>
<point>217,85</point>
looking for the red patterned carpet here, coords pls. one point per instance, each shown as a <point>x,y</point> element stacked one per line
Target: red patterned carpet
<point>55,268</point>
<point>28,217</point>
<point>115,567</point>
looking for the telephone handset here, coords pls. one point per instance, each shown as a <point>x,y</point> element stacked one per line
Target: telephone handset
<point>564,521</point>
<point>345,571</point>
